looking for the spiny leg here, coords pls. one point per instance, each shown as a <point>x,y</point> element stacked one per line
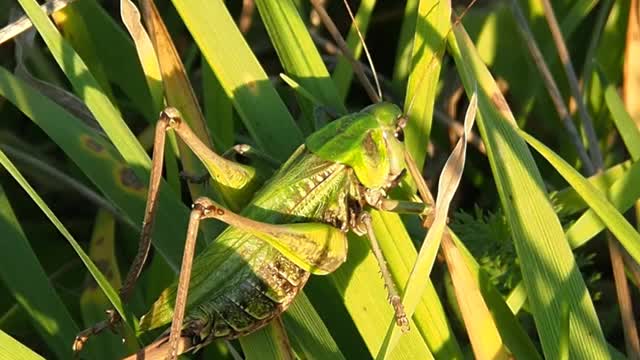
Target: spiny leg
<point>404,207</point>
<point>145,236</point>
<point>235,177</point>
<point>394,298</point>
<point>330,256</point>
<point>198,213</point>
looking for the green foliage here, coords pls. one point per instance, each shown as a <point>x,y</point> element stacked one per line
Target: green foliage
<point>86,109</point>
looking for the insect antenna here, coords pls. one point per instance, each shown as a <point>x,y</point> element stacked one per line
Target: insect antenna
<point>342,44</point>
<point>366,49</point>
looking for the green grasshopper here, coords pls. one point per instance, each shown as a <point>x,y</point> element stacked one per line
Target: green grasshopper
<point>294,226</point>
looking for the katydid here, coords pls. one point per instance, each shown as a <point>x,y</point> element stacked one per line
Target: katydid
<point>294,226</point>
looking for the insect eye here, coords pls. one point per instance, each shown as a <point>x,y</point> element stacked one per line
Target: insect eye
<point>401,123</point>
<point>399,134</point>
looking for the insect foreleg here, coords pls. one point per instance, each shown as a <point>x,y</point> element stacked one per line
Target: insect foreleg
<point>404,207</point>
<point>394,298</point>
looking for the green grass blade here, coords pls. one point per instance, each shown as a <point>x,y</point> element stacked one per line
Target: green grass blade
<point>31,287</point>
<point>127,75</point>
<point>428,49</point>
<point>622,194</point>
<point>405,45</point>
<point>615,222</point>
<point>625,124</point>
<point>93,302</point>
<point>272,342</point>
<point>97,275</point>
<point>309,336</point>
<point>343,74</point>
<point>10,348</point>
<point>516,339</point>
<point>218,109</point>
<point>567,202</point>
<point>86,86</point>
<point>102,165</point>
<point>299,55</point>
<point>549,270</point>
<point>359,275</point>
<point>254,98</point>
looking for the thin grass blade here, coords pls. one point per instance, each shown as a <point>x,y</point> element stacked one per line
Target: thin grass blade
<point>99,160</point>
<point>567,202</point>
<point>309,336</point>
<point>432,24</point>
<point>404,50</point>
<point>447,186</point>
<point>127,75</point>
<point>298,54</point>
<point>614,220</point>
<point>254,98</point>
<point>11,348</point>
<point>549,269</point>
<point>31,287</point>
<point>88,89</point>
<point>622,194</point>
<point>93,302</point>
<point>627,128</point>
<point>97,275</point>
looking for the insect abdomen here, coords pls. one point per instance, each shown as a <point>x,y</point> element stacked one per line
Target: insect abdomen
<point>239,283</point>
<point>250,304</point>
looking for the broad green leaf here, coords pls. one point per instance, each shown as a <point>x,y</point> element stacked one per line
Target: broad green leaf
<point>549,269</point>
<point>30,286</point>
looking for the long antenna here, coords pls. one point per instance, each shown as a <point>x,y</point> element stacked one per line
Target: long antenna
<point>366,49</point>
<point>335,34</point>
<point>440,50</point>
